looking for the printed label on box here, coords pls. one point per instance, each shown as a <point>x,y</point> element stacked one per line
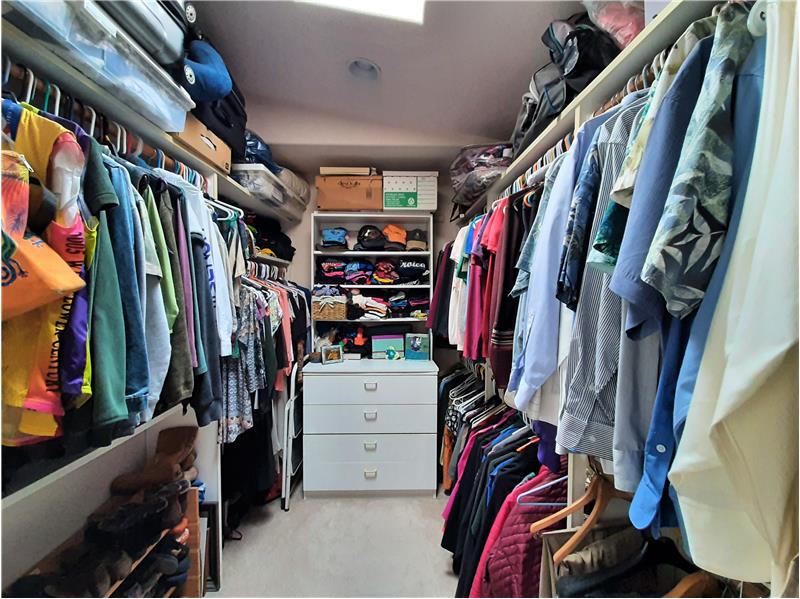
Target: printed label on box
<point>400,199</point>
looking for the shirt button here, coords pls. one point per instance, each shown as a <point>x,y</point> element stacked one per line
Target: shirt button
<point>661,448</point>
<point>592,438</point>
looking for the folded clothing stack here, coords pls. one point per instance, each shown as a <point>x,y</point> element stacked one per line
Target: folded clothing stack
<point>326,291</point>
<point>398,304</point>
<point>375,308</point>
<point>385,273</point>
<point>332,270</point>
<point>358,272</point>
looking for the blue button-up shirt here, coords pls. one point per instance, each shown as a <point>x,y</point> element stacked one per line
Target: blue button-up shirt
<point>685,339</point>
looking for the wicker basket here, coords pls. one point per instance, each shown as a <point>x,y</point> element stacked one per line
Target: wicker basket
<point>328,311</point>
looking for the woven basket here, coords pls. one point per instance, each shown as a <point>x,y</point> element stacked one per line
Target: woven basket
<point>328,311</point>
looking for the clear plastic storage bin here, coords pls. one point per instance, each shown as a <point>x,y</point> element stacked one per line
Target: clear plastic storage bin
<point>84,35</point>
<point>260,182</point>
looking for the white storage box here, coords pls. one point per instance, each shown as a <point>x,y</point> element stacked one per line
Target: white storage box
<point>85,36</point>
<point>410,190</point>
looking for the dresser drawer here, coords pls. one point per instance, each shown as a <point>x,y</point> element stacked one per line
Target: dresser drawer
<point>370,448</point>
<point>369,389</point>
<point>341,463</point>
<point>372,418</point>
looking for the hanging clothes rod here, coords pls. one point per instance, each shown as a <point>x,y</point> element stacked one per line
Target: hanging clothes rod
<point>96,123</point>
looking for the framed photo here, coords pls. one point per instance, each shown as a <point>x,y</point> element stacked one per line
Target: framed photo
<point>332,354</point>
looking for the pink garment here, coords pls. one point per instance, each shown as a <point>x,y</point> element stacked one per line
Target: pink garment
<point>462,460</point>
<point>283,299</point>
<point>472,333</point>
<point>512,557</point>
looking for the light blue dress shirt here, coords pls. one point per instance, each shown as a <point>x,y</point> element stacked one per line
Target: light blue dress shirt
<point>541,341</point>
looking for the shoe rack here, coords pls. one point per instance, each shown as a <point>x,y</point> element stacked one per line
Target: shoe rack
<point>82,487</point>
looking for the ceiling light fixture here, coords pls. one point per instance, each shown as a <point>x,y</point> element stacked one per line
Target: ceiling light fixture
<point>364,68</point>
<point>410,11</point>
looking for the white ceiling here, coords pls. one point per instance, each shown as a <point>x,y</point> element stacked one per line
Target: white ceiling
<point>455,80</point>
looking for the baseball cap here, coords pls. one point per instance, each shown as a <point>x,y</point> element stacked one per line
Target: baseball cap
<point>334,237</point>
<point>412,271</point>
<point>395,237</point>
<point>370,238</point>
<point>417,239</point>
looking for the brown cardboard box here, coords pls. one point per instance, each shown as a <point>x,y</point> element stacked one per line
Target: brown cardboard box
<point>350,193</point>
<point>197,137</point>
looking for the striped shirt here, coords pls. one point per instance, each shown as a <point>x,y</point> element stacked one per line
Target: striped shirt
<point>586,424</point>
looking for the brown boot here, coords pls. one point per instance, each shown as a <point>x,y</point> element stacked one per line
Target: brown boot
<point>154,474</point>
<point>175,444</point>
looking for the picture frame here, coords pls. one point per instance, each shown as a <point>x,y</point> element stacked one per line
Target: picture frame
<point>332,354</point>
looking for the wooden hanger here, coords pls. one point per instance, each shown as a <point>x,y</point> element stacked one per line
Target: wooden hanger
<point>602,491</point>
<point>548,521</point>
<point>697,584</point>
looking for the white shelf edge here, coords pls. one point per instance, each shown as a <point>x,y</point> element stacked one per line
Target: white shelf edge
<point>46,64</point>
<point>322,215</point>
<point>360,253</point>
<point>270,260</point>
<point>47,480</point>
<point>660,33</point>
<point>374,320</point>
<point>346,286</point>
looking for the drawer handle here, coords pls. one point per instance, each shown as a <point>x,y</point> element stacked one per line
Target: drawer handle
<point>371,415</point>
<point>370,446</point>
<point>371,473</point>
<point>371,386</point>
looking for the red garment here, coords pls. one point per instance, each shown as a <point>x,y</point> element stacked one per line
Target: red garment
<point>511,558</point>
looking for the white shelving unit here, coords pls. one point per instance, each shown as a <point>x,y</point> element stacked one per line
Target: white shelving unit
<point>353,221</point>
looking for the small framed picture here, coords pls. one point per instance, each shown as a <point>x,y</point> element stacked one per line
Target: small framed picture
<point>332,354</point>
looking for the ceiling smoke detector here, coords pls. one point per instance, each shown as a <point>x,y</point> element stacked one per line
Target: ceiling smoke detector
<point>364,68</point>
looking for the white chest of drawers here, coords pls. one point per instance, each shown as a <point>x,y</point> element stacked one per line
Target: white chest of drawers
<point>369,425</point>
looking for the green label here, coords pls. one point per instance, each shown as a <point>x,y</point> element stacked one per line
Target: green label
<point>400,199</point>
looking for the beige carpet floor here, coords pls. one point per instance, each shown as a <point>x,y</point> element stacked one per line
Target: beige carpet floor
<point>341,547</point>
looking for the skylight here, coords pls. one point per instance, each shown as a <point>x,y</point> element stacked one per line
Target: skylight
<point>410,11</point>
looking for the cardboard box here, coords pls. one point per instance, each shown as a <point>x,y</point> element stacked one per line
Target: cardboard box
<point>198,138</point>
<point>418,346</point>
<point>410,190</point>
<point>349,193</point>
<point>387,347</point>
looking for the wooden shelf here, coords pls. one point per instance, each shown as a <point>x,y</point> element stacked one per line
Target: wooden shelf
<point>52,561</point>
<point>659,34</point>
<point>136,564</point>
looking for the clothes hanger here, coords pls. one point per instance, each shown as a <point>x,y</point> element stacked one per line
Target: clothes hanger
<point>697,584</point>
<point>604,494</point>
<point>30,85</point>
<point>528,493</point>
<point>548,521</point>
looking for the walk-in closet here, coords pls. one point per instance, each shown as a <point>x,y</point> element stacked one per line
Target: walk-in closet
<point>400,298</point>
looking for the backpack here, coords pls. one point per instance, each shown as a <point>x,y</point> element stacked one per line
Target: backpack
<point>578,52</point>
